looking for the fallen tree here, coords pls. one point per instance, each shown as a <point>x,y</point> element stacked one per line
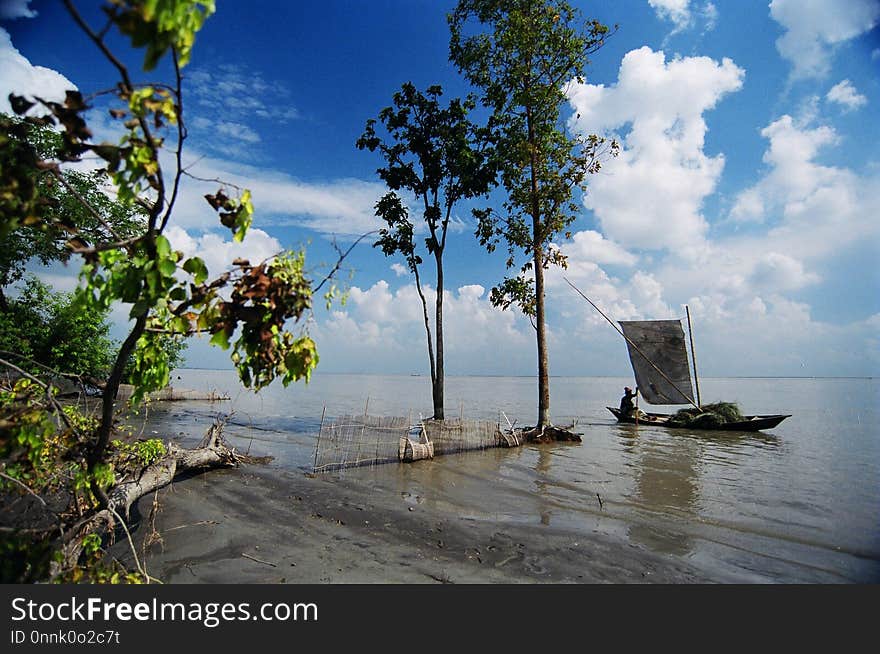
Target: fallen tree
<point>212,452</point>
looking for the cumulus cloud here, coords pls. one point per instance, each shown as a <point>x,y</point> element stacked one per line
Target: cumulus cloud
<point>780,272</point>
<point>382,324</point>
<point>815,28</point>
<point>651,195</point>
<point>218,251</point>
<point>23,78</point>
<point>590,245</point>
<point>795,178</point>
<point>846,95</point>
<point>676,11</point>
<point>811,214</point>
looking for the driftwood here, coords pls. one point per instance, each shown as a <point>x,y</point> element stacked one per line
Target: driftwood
<point>212,452</point>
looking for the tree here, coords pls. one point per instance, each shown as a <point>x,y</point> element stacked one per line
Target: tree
<point>49,449</point>
<point>522,53</point>
<point>63,204</point>
<point>440,157</point>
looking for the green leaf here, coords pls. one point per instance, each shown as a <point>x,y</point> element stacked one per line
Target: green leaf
<point>220,339</point>
<point>167,267</point>
<point>163,247</point>
<point>197,268</point>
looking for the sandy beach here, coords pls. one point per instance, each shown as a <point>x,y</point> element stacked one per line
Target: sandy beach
<point>260,524</point>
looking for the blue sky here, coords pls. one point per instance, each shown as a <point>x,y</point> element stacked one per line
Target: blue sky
<point>748,186</point>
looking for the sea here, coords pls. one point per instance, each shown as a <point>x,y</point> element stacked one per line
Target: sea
<point>796,504</point>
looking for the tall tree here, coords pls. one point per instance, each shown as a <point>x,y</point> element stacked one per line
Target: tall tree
<point>522,54</point>
<point>437,154</point>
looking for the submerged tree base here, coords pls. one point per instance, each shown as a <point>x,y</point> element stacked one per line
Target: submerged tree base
<point>551,434</point>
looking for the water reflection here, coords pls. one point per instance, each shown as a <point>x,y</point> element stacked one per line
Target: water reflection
<point>666,480</point>
<point>667,477</point>
<point>542,468</point>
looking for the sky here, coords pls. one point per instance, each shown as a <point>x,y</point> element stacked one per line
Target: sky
<point>747,186</point>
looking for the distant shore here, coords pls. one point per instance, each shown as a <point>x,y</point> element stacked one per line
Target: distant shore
<point>265,525</point>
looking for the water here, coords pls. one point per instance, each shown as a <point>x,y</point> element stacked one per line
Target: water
<point>799,503</point>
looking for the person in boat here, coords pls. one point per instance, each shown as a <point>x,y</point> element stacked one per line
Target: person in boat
<point>627,408</point>
<point>626,402</point>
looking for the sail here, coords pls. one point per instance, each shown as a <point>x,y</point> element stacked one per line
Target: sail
<point>661,343</point>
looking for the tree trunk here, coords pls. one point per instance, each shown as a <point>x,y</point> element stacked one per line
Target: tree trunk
<point>543,358</point>
<point>538,257</point>
<point>438,327</point>
<point>96,454</point>
<point>427,330</point>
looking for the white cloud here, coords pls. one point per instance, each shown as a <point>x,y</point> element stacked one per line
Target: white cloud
<point>218,251</point>
<point>651,195</point>
<point>676,11</point>
<point>399,269</point>
<point>341,207</point>
<point>780,272</point>
<point>815,27</point>
<point>23,78</point>
<point>13,9</point>
<point>794,178</point>
<point>684,14</point>
<point>381,324</point>
<point>227,129</point>
<point>590,245</point>
<point>246,98</point>
<point>846,95</point>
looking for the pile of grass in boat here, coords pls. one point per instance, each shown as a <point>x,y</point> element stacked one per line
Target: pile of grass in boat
<point>711,415</point>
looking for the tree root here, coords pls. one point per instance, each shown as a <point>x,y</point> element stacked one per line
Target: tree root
<point>551,434</point>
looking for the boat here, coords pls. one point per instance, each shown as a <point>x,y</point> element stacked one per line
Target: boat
<point>748,423</point>
<point>659,357</point>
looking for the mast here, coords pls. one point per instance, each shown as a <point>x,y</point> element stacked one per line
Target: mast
<point>693,356</point>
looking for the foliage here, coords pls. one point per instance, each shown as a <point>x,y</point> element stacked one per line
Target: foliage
<point>171,351</point>
<point>59,204</point>
<point>441,157</point>
<point>50,330</point>
<point>521,54</point>
<point>245,310</point>
<point>161,25</point>
<point>138,454</point>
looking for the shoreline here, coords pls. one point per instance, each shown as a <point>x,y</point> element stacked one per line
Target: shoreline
<point>262,524</point>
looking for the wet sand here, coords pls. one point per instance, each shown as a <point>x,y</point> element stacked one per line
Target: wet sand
<point>264,524</point>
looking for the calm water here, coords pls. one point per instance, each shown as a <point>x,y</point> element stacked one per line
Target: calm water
<point>799,503</point>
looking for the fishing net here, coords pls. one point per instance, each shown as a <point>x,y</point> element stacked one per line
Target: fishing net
<point>711,415</point>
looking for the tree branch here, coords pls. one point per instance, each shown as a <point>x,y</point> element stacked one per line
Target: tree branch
<point>341,259</point>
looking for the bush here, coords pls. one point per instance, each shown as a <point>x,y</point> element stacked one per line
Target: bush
<point>52,330</point>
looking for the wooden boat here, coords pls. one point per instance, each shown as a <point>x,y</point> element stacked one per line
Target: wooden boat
<point>659,357</point>
<point>749,423</point>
